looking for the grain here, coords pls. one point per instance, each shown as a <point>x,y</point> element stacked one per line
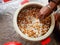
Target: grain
<point>30,25</point>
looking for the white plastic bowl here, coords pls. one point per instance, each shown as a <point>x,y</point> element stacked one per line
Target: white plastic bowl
<point>29,38</point>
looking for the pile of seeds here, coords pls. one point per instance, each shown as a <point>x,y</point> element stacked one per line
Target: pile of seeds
<point>30,25</point>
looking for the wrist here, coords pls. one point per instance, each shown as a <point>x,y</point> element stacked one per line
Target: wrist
<point>55,1</point>
<point>52,5</point>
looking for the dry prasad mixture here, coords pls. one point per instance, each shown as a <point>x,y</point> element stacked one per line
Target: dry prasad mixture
<point>30,25</point>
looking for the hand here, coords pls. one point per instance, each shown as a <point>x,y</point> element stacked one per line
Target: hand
<point>46,11</point>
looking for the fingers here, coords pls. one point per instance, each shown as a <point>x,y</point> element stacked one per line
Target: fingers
<point>44,12</point>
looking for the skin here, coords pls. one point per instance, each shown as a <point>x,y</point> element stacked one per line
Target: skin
<point>46,11</point>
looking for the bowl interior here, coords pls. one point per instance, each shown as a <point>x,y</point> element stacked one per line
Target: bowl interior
<point>27,5</point>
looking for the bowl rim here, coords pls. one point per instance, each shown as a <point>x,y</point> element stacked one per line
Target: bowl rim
<point>29,38</point>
